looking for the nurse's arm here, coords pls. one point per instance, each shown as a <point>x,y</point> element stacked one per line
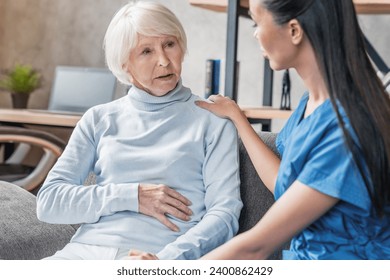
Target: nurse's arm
<point>296,209</point>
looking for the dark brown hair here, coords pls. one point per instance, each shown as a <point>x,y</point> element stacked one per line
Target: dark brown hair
<point>335,35</point>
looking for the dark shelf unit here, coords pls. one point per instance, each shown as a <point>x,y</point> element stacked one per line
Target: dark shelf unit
<point>234,11</point>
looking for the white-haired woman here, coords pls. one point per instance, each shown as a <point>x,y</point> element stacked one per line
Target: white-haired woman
<point>150,151</point>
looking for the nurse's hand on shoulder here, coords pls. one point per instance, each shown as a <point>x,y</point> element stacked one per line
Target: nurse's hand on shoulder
<point>221,106</point>
<point>139,255</point>
<point>159,200</point>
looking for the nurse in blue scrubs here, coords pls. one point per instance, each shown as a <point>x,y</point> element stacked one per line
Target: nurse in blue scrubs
<point>332,184</point>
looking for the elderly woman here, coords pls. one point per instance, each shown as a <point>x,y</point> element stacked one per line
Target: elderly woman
<point>150,151</point>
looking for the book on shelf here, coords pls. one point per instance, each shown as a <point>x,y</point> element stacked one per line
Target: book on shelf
<point>212,82</point>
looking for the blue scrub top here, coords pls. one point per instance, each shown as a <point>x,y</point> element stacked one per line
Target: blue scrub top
<point>314,153</point>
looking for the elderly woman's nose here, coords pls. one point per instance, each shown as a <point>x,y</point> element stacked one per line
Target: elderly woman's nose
<point>163,60</point>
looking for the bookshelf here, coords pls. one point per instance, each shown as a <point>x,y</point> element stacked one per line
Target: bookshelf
<point>236,8</point>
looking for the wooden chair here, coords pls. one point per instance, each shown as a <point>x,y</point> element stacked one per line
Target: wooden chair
<point>13,169</point>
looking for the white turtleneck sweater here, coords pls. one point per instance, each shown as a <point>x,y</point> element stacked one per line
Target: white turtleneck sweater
<point>141,138</point>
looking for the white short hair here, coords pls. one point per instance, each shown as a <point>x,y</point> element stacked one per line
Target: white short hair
<point>138,17</point>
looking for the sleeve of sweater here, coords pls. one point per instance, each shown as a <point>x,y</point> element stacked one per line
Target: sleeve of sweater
<point>222,200</point>
<point>63,199</point>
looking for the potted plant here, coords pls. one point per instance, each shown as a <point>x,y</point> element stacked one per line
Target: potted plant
<point>20,81</point>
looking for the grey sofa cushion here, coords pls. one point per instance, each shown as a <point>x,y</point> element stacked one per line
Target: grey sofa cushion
<point>256,197</point>
<point>22,235</point>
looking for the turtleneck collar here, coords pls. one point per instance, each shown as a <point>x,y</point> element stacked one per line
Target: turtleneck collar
<point>147,102</point>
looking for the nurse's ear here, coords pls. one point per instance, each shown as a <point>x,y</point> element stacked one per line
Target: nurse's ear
<point>296,31</point>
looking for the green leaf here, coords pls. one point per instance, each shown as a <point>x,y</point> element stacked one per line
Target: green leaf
<point>21,79</point>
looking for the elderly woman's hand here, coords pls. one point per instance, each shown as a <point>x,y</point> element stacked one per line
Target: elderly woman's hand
<point>159,200</point>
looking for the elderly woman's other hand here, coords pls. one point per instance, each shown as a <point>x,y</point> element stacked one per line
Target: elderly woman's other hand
<point>159,200</point>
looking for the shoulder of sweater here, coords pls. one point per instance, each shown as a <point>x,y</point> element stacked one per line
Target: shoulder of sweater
<point>202,112</point>
<point>207,116</point>
<point>103,110</point>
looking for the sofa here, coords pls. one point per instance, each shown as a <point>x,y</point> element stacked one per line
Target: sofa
<point>24,237</point>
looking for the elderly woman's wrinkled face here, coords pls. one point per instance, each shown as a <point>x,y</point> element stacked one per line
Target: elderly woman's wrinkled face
<point>155,64</point>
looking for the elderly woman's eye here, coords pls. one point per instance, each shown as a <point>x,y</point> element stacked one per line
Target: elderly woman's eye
<point>146,51</point>
<point>170,44</point>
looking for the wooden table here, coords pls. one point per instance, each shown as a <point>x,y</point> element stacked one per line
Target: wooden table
<point>372,6</point>
<point>25,116</point>
<point>31,117</point>
<point>266,113</point>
